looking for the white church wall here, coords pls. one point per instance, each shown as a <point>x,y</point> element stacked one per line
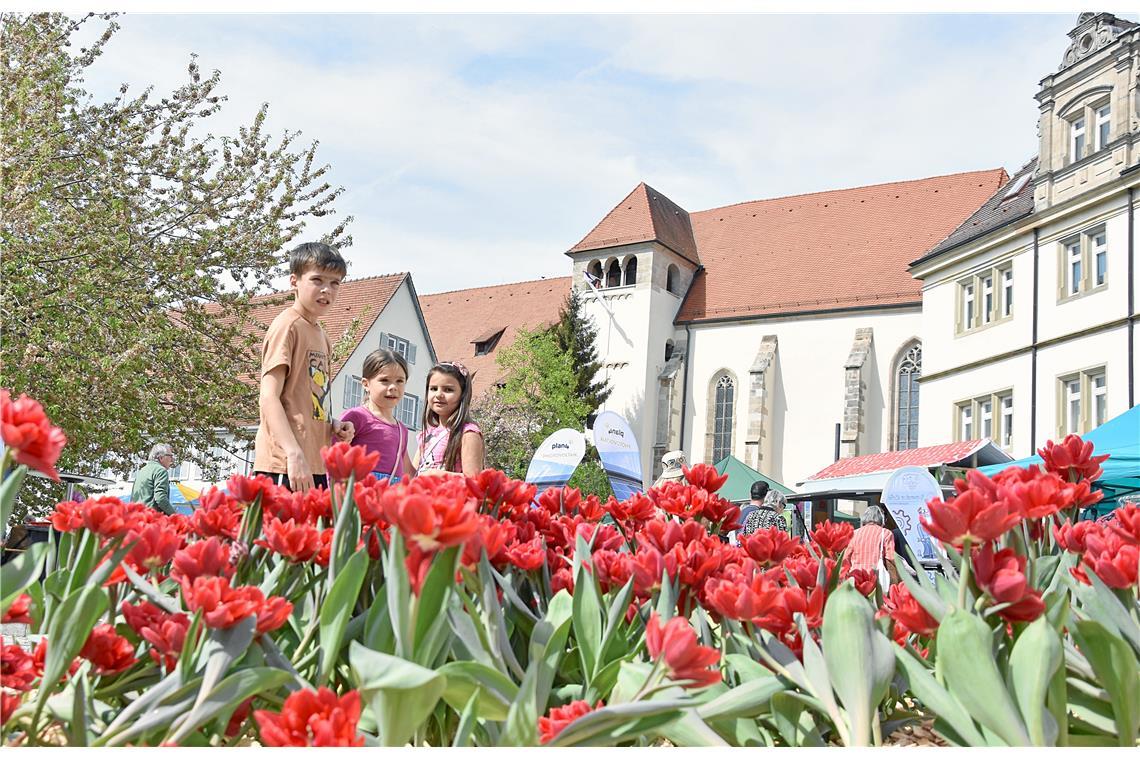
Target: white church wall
<point>808,385</point>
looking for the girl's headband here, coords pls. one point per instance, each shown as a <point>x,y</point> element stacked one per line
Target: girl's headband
<point>458,368</point>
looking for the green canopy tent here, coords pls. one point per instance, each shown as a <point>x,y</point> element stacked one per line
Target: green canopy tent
<point>738,487</point>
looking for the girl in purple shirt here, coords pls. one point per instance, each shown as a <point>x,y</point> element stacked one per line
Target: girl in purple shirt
<point>385,374</point>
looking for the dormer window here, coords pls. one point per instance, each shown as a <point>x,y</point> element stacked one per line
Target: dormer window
<point>1103,119</point>
<point>486,342</point>
<point>1077,140</point>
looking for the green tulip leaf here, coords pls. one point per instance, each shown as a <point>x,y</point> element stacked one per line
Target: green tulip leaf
<point>966,657</point>
<point>860,661</point>
<point>401,694</point>
<point>1035,658</point>
<point>336,611</point>
<point>1116,668</point>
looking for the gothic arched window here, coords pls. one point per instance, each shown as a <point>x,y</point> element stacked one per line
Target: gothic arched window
<point>631,271</point>
<point>595,271</point>
<point>724,405</point>
<point>907,373</point>
<point>613,275</point>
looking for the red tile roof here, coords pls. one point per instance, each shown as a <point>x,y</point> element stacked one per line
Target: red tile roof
<point>927,456</point>
<point>365,298</point>
<point>833,249</point>
<point>459,317</point>
<point>643,215</point>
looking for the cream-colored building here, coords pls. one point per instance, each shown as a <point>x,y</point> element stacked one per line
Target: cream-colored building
<point>1029,307</point>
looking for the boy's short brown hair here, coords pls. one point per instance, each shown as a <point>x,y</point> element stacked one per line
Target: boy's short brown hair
<point>308,256</point>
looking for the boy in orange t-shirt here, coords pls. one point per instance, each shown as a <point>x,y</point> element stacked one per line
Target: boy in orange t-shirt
<point>296,375</point>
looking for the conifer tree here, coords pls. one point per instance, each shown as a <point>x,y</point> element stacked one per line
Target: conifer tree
<point>577,334</point>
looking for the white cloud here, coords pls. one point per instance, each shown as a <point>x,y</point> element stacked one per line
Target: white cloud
<point>476,149</point>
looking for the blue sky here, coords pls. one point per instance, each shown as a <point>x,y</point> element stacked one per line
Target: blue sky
<point>476,149</point>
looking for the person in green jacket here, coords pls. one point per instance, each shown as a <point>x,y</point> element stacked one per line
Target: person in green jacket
<point>152,481</point>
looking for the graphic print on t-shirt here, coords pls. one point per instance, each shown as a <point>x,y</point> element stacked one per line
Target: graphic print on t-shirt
<point>319,374</point>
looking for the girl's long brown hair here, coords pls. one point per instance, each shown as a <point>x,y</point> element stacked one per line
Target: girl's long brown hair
<point>458,420</point>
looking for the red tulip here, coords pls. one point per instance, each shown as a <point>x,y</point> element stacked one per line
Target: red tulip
<point>105,515</point>
<point>738,599</point>
<point>685,659</point>
<point>167,637</point>
<point>20,610</point>
<point>1126,524</point>
<point>529,555</point>
<point>238,717</point>
<point>246,489</point>
<point>446,518</point>
<point>154,546</point>
<point>67,517</point>
<point>29,434</point>
<point>8,705</point>
<point>498,494</point>
<point>1072,536</point>
<point>200,559</point>
<point>1072,459</point>
<point>704,476</point>
<point>109,652</point>
<point>833,537</point>
<point>865,579</point>
<point>972,515</point>
<point>296,542</point>
<point>492,537</point>
<point>273,614</point>
<point>1114,561</point>
<point>905,610</point>
<point>1002,575</point>
<point>18,669</point>
<point>223,606</point>
<point>638,508</point>
<point>343,460</point>
<point>559,718</point>
<point>312,719</point>
<point>769,546</point>
<point>218,514</point>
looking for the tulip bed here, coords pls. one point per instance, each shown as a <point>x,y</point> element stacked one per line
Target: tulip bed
<point>475,612</point>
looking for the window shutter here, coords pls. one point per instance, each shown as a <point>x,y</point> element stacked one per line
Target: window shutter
<point>383,340</point>
<point>411,357</point>
<point>348,392</point>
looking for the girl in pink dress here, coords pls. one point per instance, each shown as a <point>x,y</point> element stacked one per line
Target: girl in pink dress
<point>450,440</point>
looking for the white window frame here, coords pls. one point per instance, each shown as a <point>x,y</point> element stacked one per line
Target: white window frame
<point>1006,291</point>
<point>985,297</point>
<point>994,411</point>
<point>1099,253</point>
<point>1102,115</point>
<point>408,410</point>
<point>353,392</point>
<point>1079,257</point>
<point>988,311</point>
<point>1098,398</point>
<point>1078,396</point>
<point>1077,138</point>
<point>1005,429</point>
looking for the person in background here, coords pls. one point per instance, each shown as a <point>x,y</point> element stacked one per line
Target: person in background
<point>450,440</point>
<point>385,374</point>
<point>152,481</point>
<point>295,375</point>
<point>873,547</point>
<point>671,472</point>
<point>761,512</point>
